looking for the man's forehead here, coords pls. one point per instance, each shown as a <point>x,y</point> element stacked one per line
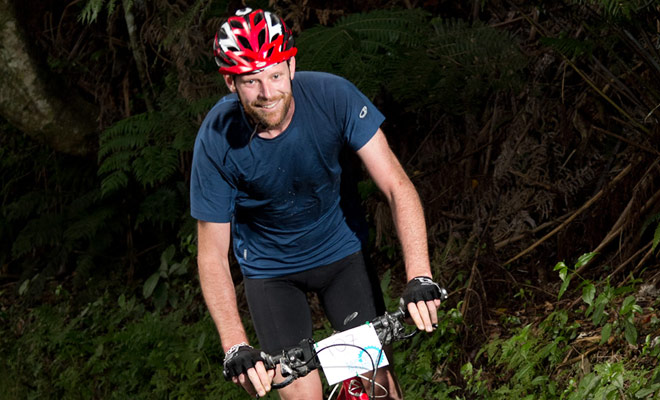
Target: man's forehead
<point>274,67</point>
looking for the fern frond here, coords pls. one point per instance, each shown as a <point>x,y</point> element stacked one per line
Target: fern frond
<point>357,35</point>
<point>118,161</point>
<point>568,46</point>
<point>42,231</point>
<point>155,164</point>
<point>619,8</point>
<point>129,133</point>
<point>163,206</point>
<point>24,206</point>
<point>88,225</point>
<point>117,180</point>
<point>92,9</point>
<point>457,68</point>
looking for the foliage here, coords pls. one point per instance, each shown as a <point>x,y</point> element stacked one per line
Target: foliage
<point>532,361</point>
<point>616,8</point>
<point>92,9</point>
<point>430,63</point>
<point>54,219</point>
<point>360,44</point>
<point>113,348</point>
<point>161,284</point>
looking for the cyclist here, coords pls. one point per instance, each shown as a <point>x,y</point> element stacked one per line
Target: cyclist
<point>266,176</point>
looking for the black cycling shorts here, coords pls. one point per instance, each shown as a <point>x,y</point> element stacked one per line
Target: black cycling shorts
<point>280,311</point>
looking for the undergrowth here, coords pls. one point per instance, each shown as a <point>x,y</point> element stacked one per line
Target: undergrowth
<point>125,345</point>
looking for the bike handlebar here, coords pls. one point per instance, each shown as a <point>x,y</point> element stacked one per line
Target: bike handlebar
<point>302,359</point>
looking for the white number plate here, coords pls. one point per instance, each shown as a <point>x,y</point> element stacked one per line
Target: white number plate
<point>350,353</point>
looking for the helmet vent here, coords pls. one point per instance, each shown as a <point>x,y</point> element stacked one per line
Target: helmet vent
<point>235,23</point>
<point>262,38</point>
<point>244,42</point>
<point>258,17</point>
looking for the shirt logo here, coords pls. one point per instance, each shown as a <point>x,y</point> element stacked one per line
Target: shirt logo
<point>363,112</point>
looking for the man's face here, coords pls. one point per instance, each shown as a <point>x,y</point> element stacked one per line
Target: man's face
<point>266,95</point>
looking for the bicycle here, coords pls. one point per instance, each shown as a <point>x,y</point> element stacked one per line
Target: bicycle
<point>302,359</point>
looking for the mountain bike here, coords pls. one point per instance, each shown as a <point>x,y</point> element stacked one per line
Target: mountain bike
<point>302,359</point>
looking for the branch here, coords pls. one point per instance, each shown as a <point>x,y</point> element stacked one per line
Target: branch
<point>138,53</point>
<point>588,204</point>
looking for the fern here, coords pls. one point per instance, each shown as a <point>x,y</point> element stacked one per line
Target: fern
<point>146,146</point>
<point>38,232</point>
<point>92,9</point>
<point>162,206</point>
<point>620,8</point>
<point>568,46</point>
<point>360,44</point>
<point>458,67</point>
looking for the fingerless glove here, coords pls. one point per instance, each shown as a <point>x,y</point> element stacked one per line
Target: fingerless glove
<point>239,359</point>
<point>422,288</point>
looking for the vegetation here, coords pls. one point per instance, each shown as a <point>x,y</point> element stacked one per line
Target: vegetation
<point>530,130</point>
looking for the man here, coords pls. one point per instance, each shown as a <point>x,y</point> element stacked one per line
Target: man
<point>266,175</point>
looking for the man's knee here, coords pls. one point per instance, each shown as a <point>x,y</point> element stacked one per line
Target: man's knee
<point>306,388</point>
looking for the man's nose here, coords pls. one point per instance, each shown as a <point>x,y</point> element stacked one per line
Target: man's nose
<point>266,90</point>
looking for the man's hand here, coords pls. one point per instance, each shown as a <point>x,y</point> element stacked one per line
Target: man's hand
<point>422,297</point>
<point>244,366</point>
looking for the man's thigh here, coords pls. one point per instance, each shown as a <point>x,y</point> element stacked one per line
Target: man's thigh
<point>351,297</point>
<point>280,313</point>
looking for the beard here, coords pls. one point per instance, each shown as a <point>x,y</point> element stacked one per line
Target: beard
<point>269,119</point>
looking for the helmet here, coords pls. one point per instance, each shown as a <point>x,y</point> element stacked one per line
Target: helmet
<point>251,41</point>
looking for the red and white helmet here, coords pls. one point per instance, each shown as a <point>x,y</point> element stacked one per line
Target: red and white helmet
<point>251,41</point>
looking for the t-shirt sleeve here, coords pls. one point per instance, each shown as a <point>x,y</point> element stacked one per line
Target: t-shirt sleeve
<point>361,118</point>
<point>211,195</point>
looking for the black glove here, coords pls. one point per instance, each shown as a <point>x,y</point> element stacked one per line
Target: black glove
<point>422,288</point>
<point>239,359</point>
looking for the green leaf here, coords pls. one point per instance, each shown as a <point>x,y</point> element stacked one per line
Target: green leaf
<point>584,259</point>
<point>599,310</point>
<point>627,305</point>
<point>642,393</point>
<point>656,237</point>
<point>150,285</point>
<point>563,287</point>
<point>605,333</point>
<point>24,287</point>
<point>161,296</point>
<point>588,293</point>
<point>563,270</point>
<point>630,333</point>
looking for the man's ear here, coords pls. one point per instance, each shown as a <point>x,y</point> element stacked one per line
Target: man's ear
<point>229,81</point>
<point>292,67</point>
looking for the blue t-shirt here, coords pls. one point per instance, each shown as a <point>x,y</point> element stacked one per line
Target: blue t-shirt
<point>282,195</point>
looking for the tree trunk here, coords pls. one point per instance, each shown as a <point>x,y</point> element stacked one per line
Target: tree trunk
<point>31,101</point>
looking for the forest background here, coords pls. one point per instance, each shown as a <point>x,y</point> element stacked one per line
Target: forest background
<point>529,128</point>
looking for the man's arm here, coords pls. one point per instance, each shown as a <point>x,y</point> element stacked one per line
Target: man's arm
<point>408,216</point>
<point>220,296</point>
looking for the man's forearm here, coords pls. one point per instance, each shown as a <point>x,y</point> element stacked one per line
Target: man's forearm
<point>220,296</point>
<point>408,217</point>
